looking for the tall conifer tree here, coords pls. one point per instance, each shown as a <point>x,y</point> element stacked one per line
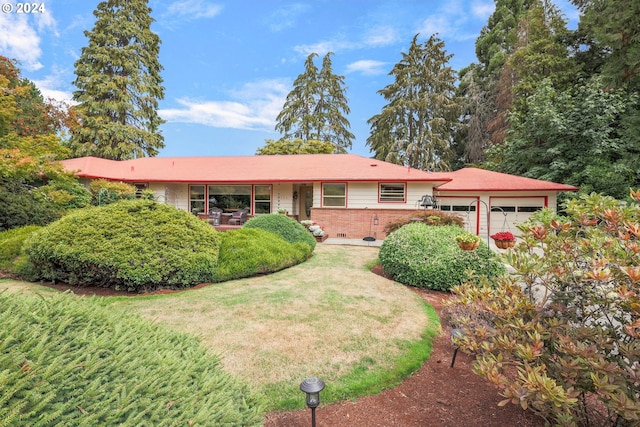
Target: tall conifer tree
<point>119,84</point>
<point>316,106</point>
<point>417,126</point>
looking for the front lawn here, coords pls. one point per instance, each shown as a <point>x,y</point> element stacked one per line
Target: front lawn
<point>329,317</point>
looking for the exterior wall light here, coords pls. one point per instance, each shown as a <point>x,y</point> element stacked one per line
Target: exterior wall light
<point>312,387</point>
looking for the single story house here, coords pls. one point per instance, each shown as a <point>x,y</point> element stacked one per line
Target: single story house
<point>351,196</point>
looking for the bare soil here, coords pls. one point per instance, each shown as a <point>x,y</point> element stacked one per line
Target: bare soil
<point>437,395</point>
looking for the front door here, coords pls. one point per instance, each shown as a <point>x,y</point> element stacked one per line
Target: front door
<point>306,201</point>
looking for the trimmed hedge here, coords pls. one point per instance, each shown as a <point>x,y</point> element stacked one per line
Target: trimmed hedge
<point>133,245</point>
<point>247,252</point>
<point>428,257</point>
<point>287,228</point>
<point>11,242</point>
<point>69,361</point>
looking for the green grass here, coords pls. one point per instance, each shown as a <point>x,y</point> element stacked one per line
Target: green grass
<point>329,317</point>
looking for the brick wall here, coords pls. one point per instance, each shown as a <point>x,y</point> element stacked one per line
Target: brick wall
<point>357,223</point>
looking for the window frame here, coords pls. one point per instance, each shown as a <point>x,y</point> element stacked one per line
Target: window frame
<point>390,198</point>
<point>334,197</point>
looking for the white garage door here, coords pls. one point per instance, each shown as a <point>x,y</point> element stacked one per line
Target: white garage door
<point>464,207</point>
<point>506,212</point>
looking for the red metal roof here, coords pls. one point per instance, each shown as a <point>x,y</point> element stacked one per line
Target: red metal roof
<point>289,168</point>
<point>474,179</point>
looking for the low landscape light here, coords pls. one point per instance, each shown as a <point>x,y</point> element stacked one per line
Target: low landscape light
<point>456,334</point>
<point>312,387</point>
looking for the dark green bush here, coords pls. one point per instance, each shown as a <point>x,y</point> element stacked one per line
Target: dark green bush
<point>11,242</point>
<point>428,257</point>
<point>287,228</point>
<point>247,252</point>
<point>69,362</point>
<point>134,245</point>
<point>21,204</point>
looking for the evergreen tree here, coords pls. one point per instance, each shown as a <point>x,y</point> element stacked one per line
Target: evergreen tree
<point>298,146</point>
<point>487,105</point>
<point>612,32</point>
<point>119,84</point>
<point>417,126</point>
<point>315,108</point>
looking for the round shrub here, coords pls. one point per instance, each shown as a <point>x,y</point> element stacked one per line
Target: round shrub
<point>287,228</point>
<point>247,252</point>
<point>134,245</point>
<point>428,257</point>
<point>67,361</point>
<point>11,242</point>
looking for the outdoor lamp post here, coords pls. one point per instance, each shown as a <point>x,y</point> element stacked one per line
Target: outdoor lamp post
<point>455,335</point>
<point>312,387</point>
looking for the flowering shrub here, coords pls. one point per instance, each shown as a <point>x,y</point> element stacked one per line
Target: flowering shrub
<point>314,228</point>
<point>503,235</point>
<point>562,335</point>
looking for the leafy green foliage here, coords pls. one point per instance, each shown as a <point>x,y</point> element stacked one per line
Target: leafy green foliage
<point>68,361</point>
<point>133,245</point>
<point>119,84</point>
<point>250,251</point>
<point>298,146</point>
<point>561,336</point>
<point>21,204</point>
<point>11,242</point>
<point>287,228</point>
<point>104,191</point>
<point>428,257</point>
<point>315,107</point>
<point>575,137</point>
<point>429,217</point>
<point>417,126</point>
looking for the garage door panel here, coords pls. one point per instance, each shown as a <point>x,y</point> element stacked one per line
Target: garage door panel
<point>506,213</point>
<point>464,207</point>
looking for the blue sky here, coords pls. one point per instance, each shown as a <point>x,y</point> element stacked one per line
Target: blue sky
<point>228,65</point>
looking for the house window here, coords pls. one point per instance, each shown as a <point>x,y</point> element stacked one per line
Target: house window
<point>141,187</point>
<point>230,198</point>
<point>392,192</point>
<point>334,195</point>
<point>262,199</point>
<point>196,199</point>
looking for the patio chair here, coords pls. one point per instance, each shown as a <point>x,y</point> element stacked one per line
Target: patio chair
<point>215,214</point>
<point>238,217</point>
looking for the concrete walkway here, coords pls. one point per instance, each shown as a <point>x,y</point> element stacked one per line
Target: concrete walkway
<point>352,242</point>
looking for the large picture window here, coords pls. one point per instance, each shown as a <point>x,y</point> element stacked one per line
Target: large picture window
<point>230,198</point>
<point>334,195</point>
<point>394,192</point>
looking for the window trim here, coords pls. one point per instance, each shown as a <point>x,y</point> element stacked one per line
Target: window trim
<point>346,191</point>
<point>381,197</point>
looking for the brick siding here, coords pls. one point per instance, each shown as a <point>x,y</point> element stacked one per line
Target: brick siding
<point>357,223</point>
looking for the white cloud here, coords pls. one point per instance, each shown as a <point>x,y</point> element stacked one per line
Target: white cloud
<point>52,86</point>
<point>19,40</point>
<point>482,9</point>
<point>451,21</point>
<point>367,67</point>
<point>286,17</point>
<point>189,10</point>
<point>375,37</point>
<point>381,36</point>
<point>255,106</point>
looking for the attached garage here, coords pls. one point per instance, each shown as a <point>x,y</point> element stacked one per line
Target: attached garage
<point>464,207</point>
<point>506,212</point>
<point>491,201</point>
